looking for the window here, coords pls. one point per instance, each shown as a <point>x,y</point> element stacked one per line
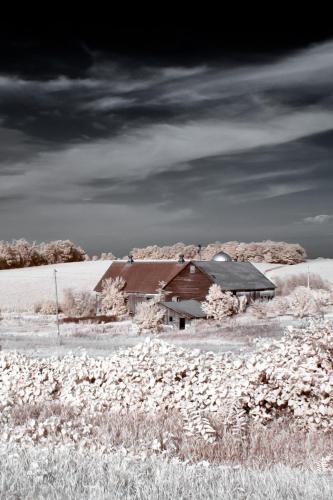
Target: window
<point>170,318</point>
<point>192,269</point>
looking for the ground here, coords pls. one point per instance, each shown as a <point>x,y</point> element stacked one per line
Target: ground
<point>36,335</point>
<point>275,462</point>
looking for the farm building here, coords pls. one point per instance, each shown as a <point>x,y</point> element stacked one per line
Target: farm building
<point>180,313</point>
<point>190,280</point>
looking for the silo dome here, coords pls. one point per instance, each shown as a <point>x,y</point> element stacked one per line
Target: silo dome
<point>222,257</point>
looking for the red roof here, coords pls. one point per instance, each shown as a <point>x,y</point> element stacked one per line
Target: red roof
<point>142,277</point>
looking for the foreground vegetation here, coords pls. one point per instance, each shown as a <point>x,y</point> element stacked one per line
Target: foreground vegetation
<point>64,473</point>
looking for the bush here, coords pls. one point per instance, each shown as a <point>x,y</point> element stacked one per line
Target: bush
<point>149,316</point>
<point>113,297</point>
<point>77,304</point>
<point>219,304</point>
<point>47,307</point>
<point>301,302</point>
<point>284,286</point>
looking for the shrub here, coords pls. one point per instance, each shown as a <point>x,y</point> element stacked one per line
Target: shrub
<point>149,316</point>
<point>284,286</point>
<point>219,304</point>
<point>259,309</point>
<point>302,302</point>
<point>77,303</point>
<point>47,307</point>
<point>113,297</point>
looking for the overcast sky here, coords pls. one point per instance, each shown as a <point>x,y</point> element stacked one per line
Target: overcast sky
<point>114,147</point>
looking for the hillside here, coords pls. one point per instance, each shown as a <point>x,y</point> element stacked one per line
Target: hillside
<point>320,266</point>
<point>21,288</point>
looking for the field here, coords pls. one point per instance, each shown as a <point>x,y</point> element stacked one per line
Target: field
<point>21,289</point>
<point>236,410</point>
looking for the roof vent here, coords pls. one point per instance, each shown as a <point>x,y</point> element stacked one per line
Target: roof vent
<point>130,259</point>
<point>181,259</point>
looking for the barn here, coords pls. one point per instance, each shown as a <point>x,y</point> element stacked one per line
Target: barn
<point>187,280</point>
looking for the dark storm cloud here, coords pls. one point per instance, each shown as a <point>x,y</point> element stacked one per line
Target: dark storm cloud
<point>189,140</point>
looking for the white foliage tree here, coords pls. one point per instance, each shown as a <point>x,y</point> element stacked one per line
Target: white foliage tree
<point>302,302</point>
<point>218,304</point>
<point>78,303</point>
<point>149,315</point>
<point>113,297</point>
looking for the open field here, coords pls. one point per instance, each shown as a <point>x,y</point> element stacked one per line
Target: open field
<point>36,335</point>
<point>21,289</point>
<point>320,266</point>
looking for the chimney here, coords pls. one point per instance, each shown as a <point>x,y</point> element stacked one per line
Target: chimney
<point>199,250</point>
<point>181,259</point>
<point>130,259</point>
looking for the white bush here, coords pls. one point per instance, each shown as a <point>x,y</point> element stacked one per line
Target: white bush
<point>218,304</point>
<point>149,316</point>
<point>77,303</point>
<point>113,297</point>
<point>47,307</point>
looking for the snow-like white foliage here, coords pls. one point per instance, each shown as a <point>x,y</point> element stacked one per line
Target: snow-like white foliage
<point>113,297</point>
<point>290,377</point>
<point>20,253</point>
<point>46,307</point>
<point>104,256</point>
<point>149,316</point>
<point>302,302</point>
<point>218,304</point>
<point>77,303</point>
<point>264,251</point>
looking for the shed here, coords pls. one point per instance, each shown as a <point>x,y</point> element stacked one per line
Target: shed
<point>179,313</point>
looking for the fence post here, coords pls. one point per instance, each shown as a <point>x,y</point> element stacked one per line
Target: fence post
<point>57,304</point>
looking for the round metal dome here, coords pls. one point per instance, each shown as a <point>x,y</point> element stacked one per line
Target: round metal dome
<point>222,257</point>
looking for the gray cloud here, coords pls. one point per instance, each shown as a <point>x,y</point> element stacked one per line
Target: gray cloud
<point>318,219</point>
<point>190,142</point>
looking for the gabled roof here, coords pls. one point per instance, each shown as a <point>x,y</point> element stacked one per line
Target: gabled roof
<point>188,308</point>
<point>142,277</point>
<point>234,276</point>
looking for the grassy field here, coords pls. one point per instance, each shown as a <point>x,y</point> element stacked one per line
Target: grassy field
<point>39,473</point>
<point>37,335</point>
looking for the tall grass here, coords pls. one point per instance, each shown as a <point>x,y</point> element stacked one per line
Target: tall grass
<point>63,473</point>
<point>281,442</point>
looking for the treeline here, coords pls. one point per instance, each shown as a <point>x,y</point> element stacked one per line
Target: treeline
<point>275,252</point>
<point>21,253</point>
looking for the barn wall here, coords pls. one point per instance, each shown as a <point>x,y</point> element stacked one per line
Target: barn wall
<point>187,285</point>
<point>133,299</point>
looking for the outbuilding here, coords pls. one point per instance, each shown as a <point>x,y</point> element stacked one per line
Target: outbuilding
<point>179,314</point>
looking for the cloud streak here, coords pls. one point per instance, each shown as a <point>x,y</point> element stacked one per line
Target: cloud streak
<point>188,140</point>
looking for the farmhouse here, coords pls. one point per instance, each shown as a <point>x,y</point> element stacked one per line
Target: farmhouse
<point>187,281</point>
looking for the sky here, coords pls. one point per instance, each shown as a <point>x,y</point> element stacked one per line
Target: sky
<point>134,136</point>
